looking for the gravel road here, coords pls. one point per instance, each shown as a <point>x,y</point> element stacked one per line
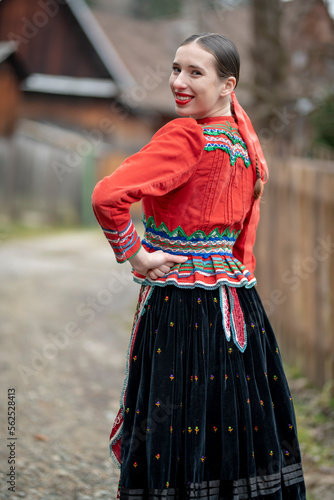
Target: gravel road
<point>66,311</point>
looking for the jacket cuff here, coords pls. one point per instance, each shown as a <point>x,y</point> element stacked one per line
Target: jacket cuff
<point>125,243</point>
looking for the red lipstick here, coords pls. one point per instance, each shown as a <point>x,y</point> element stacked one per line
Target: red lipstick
<point>183,101</point>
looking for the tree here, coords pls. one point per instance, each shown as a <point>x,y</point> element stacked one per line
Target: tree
<point>323,122</point>
<point>155,8</point>
<point>268,56</point>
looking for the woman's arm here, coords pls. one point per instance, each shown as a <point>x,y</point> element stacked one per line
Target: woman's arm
<point>167,162</point>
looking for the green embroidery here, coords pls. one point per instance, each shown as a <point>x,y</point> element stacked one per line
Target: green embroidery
<point>235,147</point>
<point>198,235</point>
<point>231,132</point>
<point>233,158</point>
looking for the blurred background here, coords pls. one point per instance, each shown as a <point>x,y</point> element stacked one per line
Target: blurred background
<point>84,84</point>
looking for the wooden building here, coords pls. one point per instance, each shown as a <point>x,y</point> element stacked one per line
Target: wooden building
<point>96,69</point>
<point>12,72</point>
<point>74,124</point>
<point>96,85</point>
<point>76,76</point>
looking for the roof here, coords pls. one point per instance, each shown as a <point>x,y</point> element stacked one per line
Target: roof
<point>147,48</point>
<point>67,85</point>
<point>7,49</point>
<point>146,52</point>
<point>137,54</point>
<point>45,78</point>
<point>102,45</point>
<point>8,53</point>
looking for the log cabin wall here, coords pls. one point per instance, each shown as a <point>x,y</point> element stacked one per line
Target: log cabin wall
<point>44,36</point>
<point>51,41</point>
<point>10,98</point>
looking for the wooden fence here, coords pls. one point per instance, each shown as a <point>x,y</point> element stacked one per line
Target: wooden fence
<point>295,262</point>
<point>47,175</point>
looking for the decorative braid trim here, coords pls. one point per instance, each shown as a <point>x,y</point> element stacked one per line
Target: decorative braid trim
<point>196,235</point>
<point>231,132</point>
<point>237,321</point>
<point>198,244</point>
<point>225,310</point>
<point>200,281</point>
<point>232,151</point>
<point>123,242</point>
<point>242,489</point>
<point>228,139</point>
<point>210,257</point>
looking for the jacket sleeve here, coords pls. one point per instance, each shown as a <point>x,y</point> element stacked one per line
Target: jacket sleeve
<point>243,247</point>
<point>167,162</point>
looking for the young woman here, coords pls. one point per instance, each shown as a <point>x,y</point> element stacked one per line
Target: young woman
<point>206,411</point>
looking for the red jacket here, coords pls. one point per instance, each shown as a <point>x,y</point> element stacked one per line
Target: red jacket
<point>196,182</point>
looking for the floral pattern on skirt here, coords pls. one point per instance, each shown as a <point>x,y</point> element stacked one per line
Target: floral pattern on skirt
<point>202,419</point>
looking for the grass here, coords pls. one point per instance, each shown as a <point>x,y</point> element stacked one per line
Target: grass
<point>21,231</point>
<point>315,418</point>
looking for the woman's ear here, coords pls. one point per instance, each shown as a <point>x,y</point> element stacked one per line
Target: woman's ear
<point>228,86</point>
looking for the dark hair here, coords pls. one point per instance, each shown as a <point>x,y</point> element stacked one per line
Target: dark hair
<point>223,50</point>
<point>227,59</point>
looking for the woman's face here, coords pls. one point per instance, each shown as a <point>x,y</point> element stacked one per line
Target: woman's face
<point>198,90</point>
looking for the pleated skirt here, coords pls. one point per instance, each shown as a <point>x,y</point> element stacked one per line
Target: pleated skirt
<point>202,417</point>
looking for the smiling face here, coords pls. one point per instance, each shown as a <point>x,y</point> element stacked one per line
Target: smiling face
<point>198,90</point>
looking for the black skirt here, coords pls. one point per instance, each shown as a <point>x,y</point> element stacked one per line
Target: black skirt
<point>203,417</point>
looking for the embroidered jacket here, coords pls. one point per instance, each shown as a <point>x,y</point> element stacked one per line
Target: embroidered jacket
<point>196,181</point>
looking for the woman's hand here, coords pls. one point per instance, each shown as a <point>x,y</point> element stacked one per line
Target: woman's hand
<point>156,264</point>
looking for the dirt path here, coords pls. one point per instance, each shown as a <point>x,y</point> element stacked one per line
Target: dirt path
<point>66,310</point>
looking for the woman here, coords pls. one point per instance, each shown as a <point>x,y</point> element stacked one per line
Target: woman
<point>206,410</point>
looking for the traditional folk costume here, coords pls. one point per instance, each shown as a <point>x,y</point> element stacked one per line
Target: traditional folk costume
<point>206,411</point>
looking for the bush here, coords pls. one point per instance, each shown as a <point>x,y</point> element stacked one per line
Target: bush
<point>322,120</point>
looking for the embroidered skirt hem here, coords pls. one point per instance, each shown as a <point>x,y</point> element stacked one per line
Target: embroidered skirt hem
<point>289,479</point>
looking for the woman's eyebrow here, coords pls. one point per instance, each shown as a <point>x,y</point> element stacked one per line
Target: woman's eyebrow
<point>196,67</point>
<point>193,66</point>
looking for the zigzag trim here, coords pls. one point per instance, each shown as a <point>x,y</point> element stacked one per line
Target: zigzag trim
<point>196,235</point>
<point>232,143</point>
<point>234,154</point>
<point>235,138</point>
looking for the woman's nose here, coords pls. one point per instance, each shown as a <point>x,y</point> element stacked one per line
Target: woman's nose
<point>180,82</point>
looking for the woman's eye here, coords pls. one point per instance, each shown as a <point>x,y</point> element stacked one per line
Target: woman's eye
<point>176,69</point>
<point>196,73</point>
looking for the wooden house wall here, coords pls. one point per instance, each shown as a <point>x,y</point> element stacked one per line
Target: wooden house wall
<point>48,173</point>
<point>10,98</point>
<point>92,116</point>
<point>49,43</point>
